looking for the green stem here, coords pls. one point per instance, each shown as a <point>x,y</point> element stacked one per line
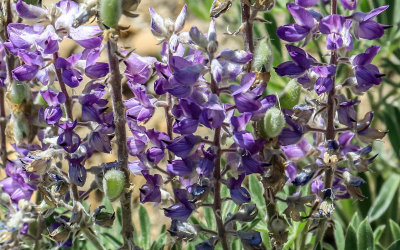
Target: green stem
<point>92,237</point>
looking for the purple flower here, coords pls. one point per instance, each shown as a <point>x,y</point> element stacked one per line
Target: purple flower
<point>306,3</point>
<point>213,114</point>
<point>68,139</point>
<point>324,82</point>
<point>77,172</point>
<point>367,28</point>
<point>366,73</point>
<point>138,69</point>
<point>100,140</point>
<point>245,140</point>
<point>141,107</point>
<point>338,30</point>
<point>155,155</point>
<point>28,11</point>
<point>70,75</point>
<point>302,61</point>
<point>291,172</point>
<point>20,184</point>
<point>150,192</point>
<point>239,194</point>
<point>303,28</point>
<point>206,164</point>
<point>181,210</point>
<point>137,143</point>
<point>297,151</point>
<point>249,165</point>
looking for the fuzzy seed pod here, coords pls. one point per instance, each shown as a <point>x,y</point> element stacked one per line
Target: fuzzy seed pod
<point>291,95</point>
<point>19,93</point>
<point>272,123</point>
<point>110,12</point>
<point>264,56</point>
<point>113,183</point>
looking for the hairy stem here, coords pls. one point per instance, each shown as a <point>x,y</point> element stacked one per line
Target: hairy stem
<point>120,134</point>
<point>247,25</point>
<point>217,177</point>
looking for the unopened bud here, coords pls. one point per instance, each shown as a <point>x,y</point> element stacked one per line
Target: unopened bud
<point>113,183</point>
<point>263,56</point>
<point>291,95</point>
<point>110,12</point>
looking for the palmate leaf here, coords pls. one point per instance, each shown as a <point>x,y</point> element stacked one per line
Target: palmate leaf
<point>385,197</point>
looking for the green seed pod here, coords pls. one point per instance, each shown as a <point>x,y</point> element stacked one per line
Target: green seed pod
<point>20,92</point>
<point>272,123</point>
<point>21,127</point>
<point>291,95</point>
<point>113,183</point>
<point>110,12</point>
<point>263,56</point>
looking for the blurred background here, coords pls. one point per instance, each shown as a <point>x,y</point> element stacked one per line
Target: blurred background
<point>383,179</point>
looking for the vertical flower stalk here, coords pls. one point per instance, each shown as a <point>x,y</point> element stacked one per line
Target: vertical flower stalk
<point>120,133</point>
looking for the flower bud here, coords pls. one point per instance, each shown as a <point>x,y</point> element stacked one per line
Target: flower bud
<point>272,123</point>
<point>291,95</point>
<point>183,230</point>
<point>110,12</point>
<point>263,56</point>
<point>113,183</point>
<point>103,219</point>
<point>20,92</point>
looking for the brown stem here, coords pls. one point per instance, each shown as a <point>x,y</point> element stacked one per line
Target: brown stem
<point>330,129</point>
<point>247,25</point>
<point>120,133</point>
<point>217,178</point>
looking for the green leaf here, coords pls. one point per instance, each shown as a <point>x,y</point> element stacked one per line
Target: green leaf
<point>378,233</point>
<point>339,236</point>
<point>144,226</point>
<point>385,197</point>
<point>209,216</point>
<point>395,229</point>
<point>351,239</point>
<point>256,192</point>
<point>394,246</point>
<point>355,221</point>
<point>365,236</point>
<point>327,246</point>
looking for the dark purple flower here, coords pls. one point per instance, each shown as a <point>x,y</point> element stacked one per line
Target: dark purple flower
<point>238,193</point>
<point>206,164</point>
<point>68,139</point>
<point>303,28</point>
<point>249,165</point>
<point>239,123</point>
<point>366,73</point>
<point>324,82</point>
<point>291,172</point>
<point>306,3</point>
<point>77,172</point>
<point>70,75</point>
<point>181,210</point>
<point>245,140</point>
<point>213,114</point>
<point>184,146</point>
<point>158,139</point>
<point>293,133</point>
<point>150,192</point>
<point>185,126</point>
<point>52,114</point>
<point>367,28</point>
<point>302,61</point>
<point>100,140</point>
<point>346,112</point>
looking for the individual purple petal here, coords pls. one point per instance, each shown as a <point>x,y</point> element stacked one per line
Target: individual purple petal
<point>235,56</point>
<point>23,36</point>
<point>317,186</point>
<point>28,11</point>
<point>88,36</point>
<point>138,68</point>
<point>30,58</point>
<point>136,167</point>
<point>239,194</point>
<point>245,84</point>
<point>291,172</point>
<point>184,146</point>
<point>239,123</point>
<point>53,114</point>
<point>370,30</point>
<point>135,146</point>
<point>301,15</point>
<point>68,139</point>
<point>180,167</point>
<point>157,24</point>
<point>154,154</point>
<point>97,70</point>
<point>72,77</point>
<point>289,69</point>
<point>366,57</point>
<point>213,114</point>
<point>292,32</point>
<point>306,3</point>
<point>298,151</point>
<point>249,165</point>
<point>25,72</point>
<point>373,13</point>
<point>349,4</point>
<point>185,126</point>
<point>331,24</point>
<point>52,97</point>
<point>181,210</point>
<point>180,20</point>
